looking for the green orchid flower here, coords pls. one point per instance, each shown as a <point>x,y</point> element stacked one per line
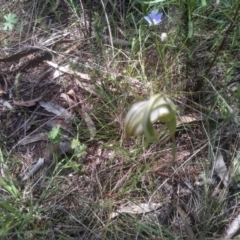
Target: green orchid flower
<point>142,115</point>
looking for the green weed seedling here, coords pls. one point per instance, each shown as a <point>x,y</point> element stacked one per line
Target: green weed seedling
<point>11,20</point>
<point>54,135</point>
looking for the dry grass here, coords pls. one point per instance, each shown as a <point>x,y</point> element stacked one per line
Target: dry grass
<point>75,196</point>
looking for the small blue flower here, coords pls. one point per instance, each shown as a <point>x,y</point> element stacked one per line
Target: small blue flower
<point>154,18</point>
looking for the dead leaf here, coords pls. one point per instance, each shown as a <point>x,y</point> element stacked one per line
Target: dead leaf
<point>72,94</point>
<point>6,104</point>
<point>67,69</point>
<point>233,228</point>
<point>1,90</point>
<point>189,118</point>
<point>68,99</point>
<point>33,138</point>
<point>33,169</point>
<point>188,229</point>
<point>140,208</point>
<point>86,86</point>
<point>28,103</point>
<point>91,126</point>
<point>56,109</point>
<point>220,168</point>
<point>71,97</point>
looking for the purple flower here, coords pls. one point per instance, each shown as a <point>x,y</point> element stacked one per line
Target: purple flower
<point>154,18</point>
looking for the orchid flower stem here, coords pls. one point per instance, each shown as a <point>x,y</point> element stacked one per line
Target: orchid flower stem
<point>160,51</point>
<point>174,149</point>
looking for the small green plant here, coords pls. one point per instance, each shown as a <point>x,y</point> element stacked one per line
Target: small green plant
<point>54,134</point>
<point>11,20</point>
<point>79,148</point>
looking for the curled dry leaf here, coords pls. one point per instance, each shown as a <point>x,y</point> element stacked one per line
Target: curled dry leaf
<point>67,98</point>
<point>28,103</point>
<point>33,169</point>
<point>72,94</point>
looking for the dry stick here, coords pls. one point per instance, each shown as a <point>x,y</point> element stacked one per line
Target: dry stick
<point>224,39</point>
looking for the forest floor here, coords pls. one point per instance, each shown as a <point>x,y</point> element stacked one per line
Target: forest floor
<point>69,73</point>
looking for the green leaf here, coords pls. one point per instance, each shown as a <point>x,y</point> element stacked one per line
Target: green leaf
<point>79,148</point>
<point>10,188</point>
<point>75,143</point>
<point>190,28</point>
<point>54,134</point>
<point>11,20</point>
<point>204,3</point>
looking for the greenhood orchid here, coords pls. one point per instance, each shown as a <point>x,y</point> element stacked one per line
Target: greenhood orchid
<point>142,115</point>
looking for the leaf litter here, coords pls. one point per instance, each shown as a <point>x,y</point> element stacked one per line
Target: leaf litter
<point>106,178</point>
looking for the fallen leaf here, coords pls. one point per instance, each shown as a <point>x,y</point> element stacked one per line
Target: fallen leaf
<point>6,104</point>
<point>33,169</point>
<point>220,168</point>
<point>28,103</point>
<point>186,224</point>
<point>68,99</point>
<point>189,118</point>
<point>140,208</point>
<point>86,86</point>
<point>73,95</point>
<point>1,90</point>
<point>90,125</point>
<point>33,138</point>
<point>56,109</point>
<point>67,69</point>
<point>233,228</point>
